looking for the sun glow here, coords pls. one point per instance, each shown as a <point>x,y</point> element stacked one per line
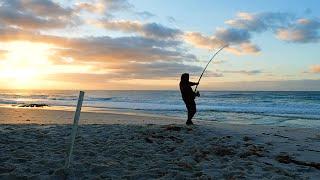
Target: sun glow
<point>24,63</point>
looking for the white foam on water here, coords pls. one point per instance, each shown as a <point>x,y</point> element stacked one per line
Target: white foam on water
<point>276,106</point>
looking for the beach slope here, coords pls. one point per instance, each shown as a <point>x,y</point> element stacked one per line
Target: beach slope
<point>162,148</point>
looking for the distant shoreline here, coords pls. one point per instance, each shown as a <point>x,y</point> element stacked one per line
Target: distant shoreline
<point>16,115</point>
<point>203,90</point>
<point>64,115</point>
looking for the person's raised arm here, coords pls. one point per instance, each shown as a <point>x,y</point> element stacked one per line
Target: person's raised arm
<point>193,83</point>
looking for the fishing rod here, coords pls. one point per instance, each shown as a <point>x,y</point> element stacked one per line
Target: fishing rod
<point>195,90</point>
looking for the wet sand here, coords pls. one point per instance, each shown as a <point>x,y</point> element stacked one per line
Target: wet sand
<point>33,144</point>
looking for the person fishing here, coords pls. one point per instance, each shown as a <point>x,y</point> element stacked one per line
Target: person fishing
<point>188,96</point>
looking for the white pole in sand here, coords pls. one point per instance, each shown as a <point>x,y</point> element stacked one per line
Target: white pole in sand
<point>74,128</point>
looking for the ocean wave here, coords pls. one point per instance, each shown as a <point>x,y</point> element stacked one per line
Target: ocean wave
<point>299,105</point>
<point>283,111</point>
<point>98,99</point>
<point>20,98</point>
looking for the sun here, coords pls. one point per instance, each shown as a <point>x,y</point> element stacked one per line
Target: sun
<point>24,63</point>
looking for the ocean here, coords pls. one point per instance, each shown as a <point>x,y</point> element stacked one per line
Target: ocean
<point>297,109</point>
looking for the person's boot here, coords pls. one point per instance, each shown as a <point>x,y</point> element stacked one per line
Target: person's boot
<point>189,122</point>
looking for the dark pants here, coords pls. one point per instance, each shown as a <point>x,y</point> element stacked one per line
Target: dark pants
<point>192,109</point>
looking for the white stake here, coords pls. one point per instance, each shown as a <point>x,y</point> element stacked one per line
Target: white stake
<point>74,128</point>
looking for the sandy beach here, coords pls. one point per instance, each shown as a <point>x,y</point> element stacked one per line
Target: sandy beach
<point>164,89</point>
<point>33,144</point>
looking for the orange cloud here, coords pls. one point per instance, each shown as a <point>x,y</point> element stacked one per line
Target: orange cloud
<point>35,14</point>
<point>97,7</point>
<point>151,30</point>
<point>122,71</point>
<point>2,54</point>
<point>243,49</point>
<point>104,48</point>
<point>212,42</point>
<point>114,58</point>
<point>199,40</point>
<point>290,35</point>
<point>103,7</point>
<point>315,69</point>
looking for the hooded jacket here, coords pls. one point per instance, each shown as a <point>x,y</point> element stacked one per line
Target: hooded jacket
<point>185,88</point>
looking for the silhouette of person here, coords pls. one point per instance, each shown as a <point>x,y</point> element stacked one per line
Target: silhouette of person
<point>188,96</point>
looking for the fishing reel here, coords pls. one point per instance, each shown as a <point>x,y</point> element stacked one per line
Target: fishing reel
<point>197,94</point>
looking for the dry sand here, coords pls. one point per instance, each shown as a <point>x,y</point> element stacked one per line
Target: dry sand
<point>33,144</point>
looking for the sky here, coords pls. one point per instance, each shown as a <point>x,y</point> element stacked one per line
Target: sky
<point>148,44</point>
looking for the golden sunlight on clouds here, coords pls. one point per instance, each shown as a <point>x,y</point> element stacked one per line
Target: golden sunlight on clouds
<point>24,62</point>
<point>315,68</point>
<point>26,65</point>
<point>111,44</point>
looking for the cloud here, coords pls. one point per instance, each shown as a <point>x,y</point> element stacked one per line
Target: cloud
<point>239,40</point>
<point>238,35</point>
<point>285,26</point>
<point>97,8</point>
<point>2,54</point>
<point>117,58</point>
<point>107,8</point>
<point>232,36</point>
<point>218,62</point>
<point>243,49</point>
<point>133,70</point>
<point>303,31</point>
<point>245,72</point>
<point>105,48</point>
<point>152,30</point>
<point>103,7</point>
<point>145,14</point>
<point>108,52</point>
<point>122,49</point>
<point>199,40</point>
<point>8,34</point>
<point>116,5</point>
<point>149,50</point>
<point>315,69</point>
<point>221,37</point>
<point>42,7</point>
<point>171,19</point>
<point>292,35</point>
<point>35,14</point>
<point>158,69</point>
<point>260,22</point>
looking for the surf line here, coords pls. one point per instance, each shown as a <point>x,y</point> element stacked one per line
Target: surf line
<point>226,45</point>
